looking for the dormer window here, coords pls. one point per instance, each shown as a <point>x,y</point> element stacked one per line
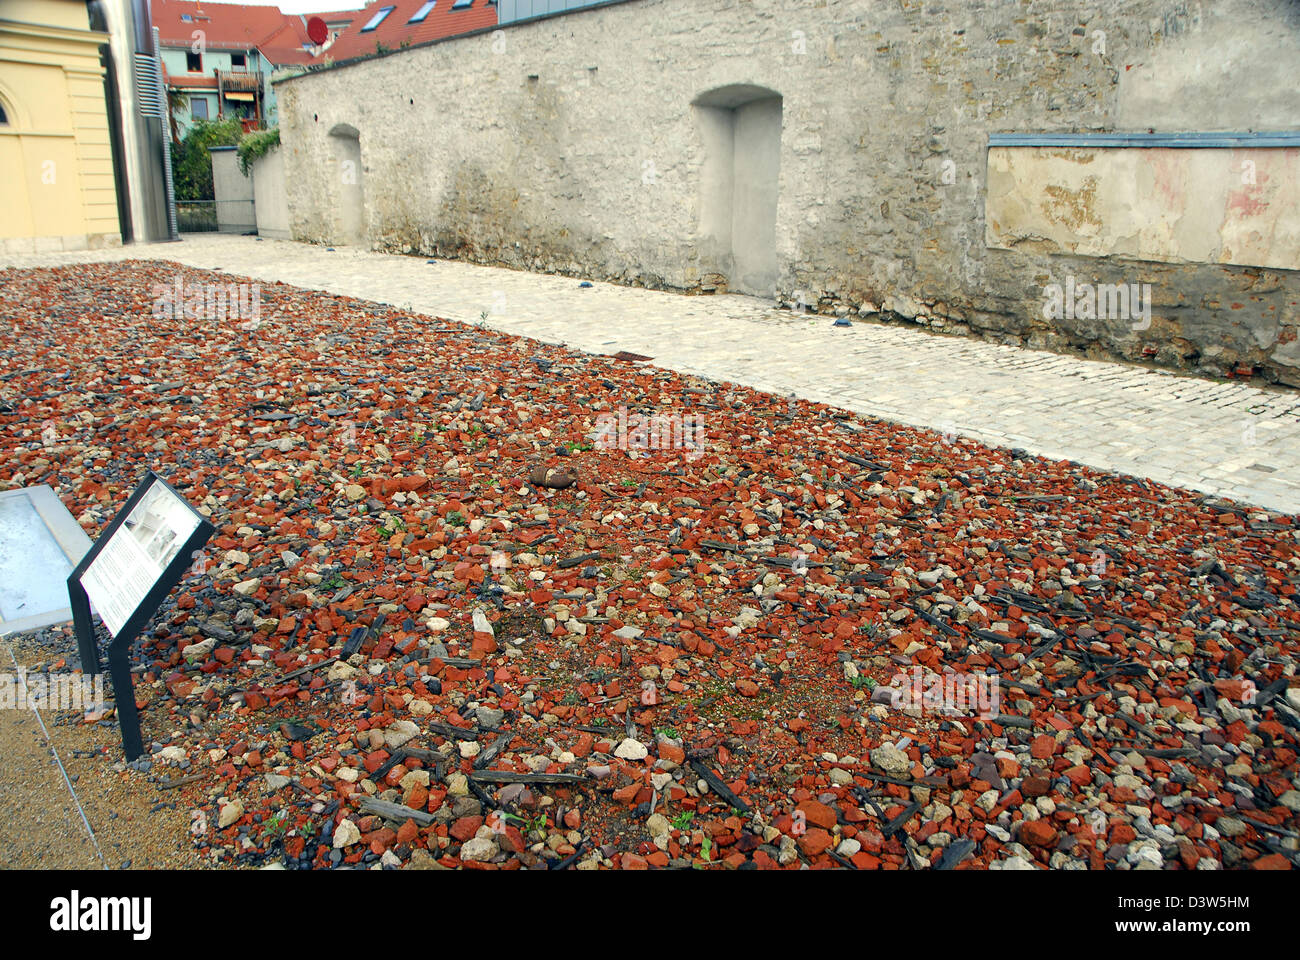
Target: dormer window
<point>377,19</point>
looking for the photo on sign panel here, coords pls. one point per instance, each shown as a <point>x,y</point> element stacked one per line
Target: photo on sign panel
<point>137,554</point>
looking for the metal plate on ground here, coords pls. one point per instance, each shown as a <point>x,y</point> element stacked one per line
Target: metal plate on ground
<point>40,543</point>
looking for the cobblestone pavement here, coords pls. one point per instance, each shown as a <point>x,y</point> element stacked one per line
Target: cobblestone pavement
<point>1227,439</point>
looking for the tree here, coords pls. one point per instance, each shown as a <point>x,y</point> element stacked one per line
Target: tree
<point>191,162</point>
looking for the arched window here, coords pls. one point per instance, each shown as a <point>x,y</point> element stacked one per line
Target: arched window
<point>4,117</point>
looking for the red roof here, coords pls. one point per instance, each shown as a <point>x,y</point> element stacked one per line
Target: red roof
<point>280,36</point>
<point>441,21</point>
<point>225,25</point>
<point>284,45</point>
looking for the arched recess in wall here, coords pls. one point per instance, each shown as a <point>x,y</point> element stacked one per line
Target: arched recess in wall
<point>10,119</point>
<point>345,147</point>
<point>740,125</point>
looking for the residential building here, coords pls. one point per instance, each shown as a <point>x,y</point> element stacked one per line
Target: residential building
<point>393,24</point>
<point>218,58</point>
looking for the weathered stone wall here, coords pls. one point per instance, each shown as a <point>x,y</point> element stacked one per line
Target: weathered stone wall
<point>571,145</point>
<point>1236,206</point>
<point>269,202</point>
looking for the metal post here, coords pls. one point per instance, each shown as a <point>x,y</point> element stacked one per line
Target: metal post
<point>165,109</point>
<point>128,717</point>
<point>83,626</point>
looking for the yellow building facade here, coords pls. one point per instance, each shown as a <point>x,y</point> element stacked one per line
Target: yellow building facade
<point>56,161</point>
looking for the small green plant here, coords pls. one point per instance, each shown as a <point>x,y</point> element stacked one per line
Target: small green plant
<point>276,826</point>
<point>683,820</point>
<point>335,582</point>
<point>669,733</point>
<point>255,146</point>
<point>357,471</point>
<point>394,525</point>
<point>862,682</point>
<point>537,823</point>
<point>456,518</point>
<point>706,849</point>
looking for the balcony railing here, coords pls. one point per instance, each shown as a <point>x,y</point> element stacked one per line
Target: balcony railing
<point>249,81</point>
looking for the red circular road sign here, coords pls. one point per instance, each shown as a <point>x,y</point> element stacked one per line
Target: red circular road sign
<point>317,32</point>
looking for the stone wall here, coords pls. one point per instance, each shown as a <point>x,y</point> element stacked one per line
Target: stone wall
<point>269,203</point>
<point>1233,205</point>
<point>588,144</point>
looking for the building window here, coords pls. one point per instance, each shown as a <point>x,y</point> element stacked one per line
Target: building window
<point>423,12</point>
<point>377,19</point>
<point>462,4</point>
<point>193,61</point>
<point>4,117</point>
<point>198,108</point>
<point>186,18</point>
<point>238,61</point>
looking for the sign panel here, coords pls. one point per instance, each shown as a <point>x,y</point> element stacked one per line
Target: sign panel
<point>127,574</point>
<point>137,553</point>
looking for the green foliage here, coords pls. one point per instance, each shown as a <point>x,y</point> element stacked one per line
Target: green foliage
<point>394,525</point>
<point>191,162</point>
<point>255,146</point>
<point>276,827</point>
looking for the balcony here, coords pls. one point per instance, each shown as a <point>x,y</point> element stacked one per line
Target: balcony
<point>247,81</point>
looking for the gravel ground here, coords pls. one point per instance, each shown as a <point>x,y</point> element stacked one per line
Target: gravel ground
<point>41,827</point>
<point>459,610</point>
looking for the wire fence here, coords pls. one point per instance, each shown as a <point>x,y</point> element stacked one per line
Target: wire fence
<point>196,216</point>
<point>211,216</point>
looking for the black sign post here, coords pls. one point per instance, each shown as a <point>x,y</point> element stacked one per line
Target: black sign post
<point>131,568</point>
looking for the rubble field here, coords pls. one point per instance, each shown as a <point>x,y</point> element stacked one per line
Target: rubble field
<point>440,626</point>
